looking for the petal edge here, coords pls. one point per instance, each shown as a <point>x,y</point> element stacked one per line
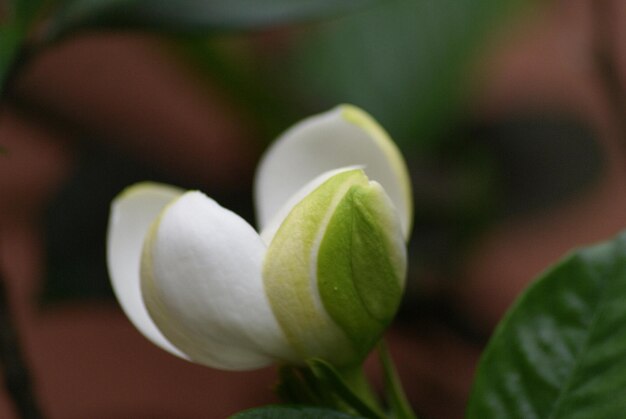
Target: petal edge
<point>132,213</point>
<point>343,136</point>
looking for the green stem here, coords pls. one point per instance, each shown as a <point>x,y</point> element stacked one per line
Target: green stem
<point>321,384</point>
<point>396,397</point>
<point>356,380</point>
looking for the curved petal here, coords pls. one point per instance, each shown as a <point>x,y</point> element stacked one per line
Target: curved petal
<point>343,136</point>
<point>132,213</point>
<point>272,226</point>
<point>290,274</point>
<point>335,270</point>
<point>361,264</point>
<point>202,285</point>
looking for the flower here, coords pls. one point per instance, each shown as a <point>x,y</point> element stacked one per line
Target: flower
<point>322,279</point>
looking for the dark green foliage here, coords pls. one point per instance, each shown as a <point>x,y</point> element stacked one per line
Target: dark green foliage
<point>560,351</point>
<point>195,16</point>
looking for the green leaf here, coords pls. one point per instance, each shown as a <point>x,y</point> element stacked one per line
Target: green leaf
<point>403,61</point>
<point>560,352</point>
<point>361,265</point>
<point>196,15</point>
<point>289,412</point>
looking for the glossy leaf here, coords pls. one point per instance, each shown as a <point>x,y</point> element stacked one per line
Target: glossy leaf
<point>291,412</point>
<point>403,61</point>
<point>197,15</point>
<point>560,352</point>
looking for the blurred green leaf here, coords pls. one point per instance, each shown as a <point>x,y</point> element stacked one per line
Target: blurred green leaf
<point>560,352</point>
<point>404,61</point>
<point>13,33</point>
<point>231,62</point>
<point>26,10</point>
<point>291,412</point>
<point>196,15</point>
<point>11,38</point>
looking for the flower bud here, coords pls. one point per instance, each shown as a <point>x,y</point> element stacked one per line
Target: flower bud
<point>322,278</point>
<point>334,272</point>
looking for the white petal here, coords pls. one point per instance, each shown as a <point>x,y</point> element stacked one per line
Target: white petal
<point>343,136</point>
<point>132,213</point>
<point>202,285</point>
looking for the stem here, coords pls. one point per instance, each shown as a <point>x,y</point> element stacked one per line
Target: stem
<point>16,373</point>
<point>321,384</point>
<point>396,397</point>
<point>356,380</point>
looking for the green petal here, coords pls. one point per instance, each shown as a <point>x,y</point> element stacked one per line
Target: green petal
<point>362,265</point>
<point>334,272</point>
<point>290,279</point>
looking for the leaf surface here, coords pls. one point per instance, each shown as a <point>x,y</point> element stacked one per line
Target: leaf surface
<point>560,352</point>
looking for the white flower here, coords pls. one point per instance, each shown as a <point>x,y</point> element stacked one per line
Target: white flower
<point>322,279</point>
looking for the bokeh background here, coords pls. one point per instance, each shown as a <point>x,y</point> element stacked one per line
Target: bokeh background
<point>511,116</point>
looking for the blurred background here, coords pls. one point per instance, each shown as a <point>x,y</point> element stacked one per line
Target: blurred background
<point>511,115</point>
